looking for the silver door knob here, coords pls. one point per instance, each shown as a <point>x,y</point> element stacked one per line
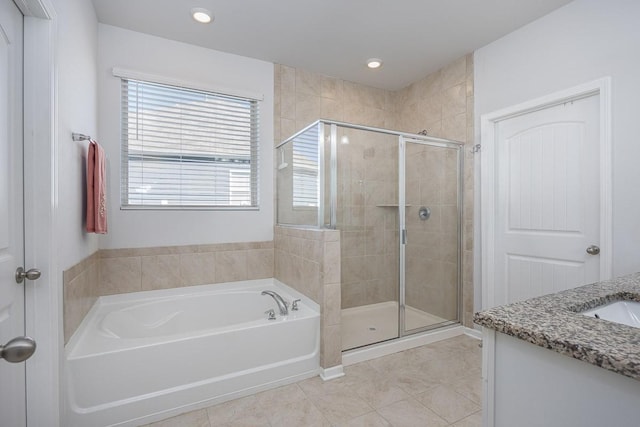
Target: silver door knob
<point>593,250</point>
<point>18,349</point>
<point>31,274</point>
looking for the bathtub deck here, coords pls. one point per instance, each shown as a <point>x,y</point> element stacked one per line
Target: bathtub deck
<point>437,385</point>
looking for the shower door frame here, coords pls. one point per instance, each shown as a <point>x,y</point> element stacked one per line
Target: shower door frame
<point>403,140</point>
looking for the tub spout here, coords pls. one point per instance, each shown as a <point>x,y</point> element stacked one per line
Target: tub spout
<point>282,305</point>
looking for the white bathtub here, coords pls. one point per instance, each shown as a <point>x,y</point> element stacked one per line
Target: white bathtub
<point>144,356</point>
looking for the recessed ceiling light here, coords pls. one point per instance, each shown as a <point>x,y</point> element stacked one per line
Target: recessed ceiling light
<point>374,63</point>
<point>201,15</point>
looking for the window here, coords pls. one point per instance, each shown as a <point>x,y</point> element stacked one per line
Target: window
<point>305,169</point>
<point>185,148</point>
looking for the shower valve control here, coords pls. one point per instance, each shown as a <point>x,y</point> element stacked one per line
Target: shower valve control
<point>294,304</point>
<point>271,313</point>
<point>424,213</point>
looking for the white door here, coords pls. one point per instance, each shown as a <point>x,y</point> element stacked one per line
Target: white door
<point>547,201</point>
<point>12,375</point>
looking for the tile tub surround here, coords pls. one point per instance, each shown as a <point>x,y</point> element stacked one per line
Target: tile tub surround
<point>554,322</point>
<point>117,271</point>
<point>80,292</point>
<point>308,260</point>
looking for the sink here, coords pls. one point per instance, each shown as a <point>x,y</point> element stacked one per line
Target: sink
<point>625,312</point>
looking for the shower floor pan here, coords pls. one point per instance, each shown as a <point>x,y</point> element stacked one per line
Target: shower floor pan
<point>374,323</point>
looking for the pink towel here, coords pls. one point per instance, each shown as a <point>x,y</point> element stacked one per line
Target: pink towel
<point>96,190</point>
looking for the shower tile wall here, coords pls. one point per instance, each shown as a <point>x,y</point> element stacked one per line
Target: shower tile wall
<point>302,97</point>
<point>441,103</point>
<point>367,217</point>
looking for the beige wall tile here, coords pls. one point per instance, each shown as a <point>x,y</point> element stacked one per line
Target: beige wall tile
<point>120,275</point>
<point>287,128</point>
<point>160,272</point>
<point>331,346</point>
<point>198,268</point>
<point>331,109</point>
<point>308,82</point>
<point>287,78</point>
<point>287,104</point>
<point>454,101</point>
<point>308,109</point>
<point>454,127</point>
<point>455,73</point>
<point>312,249</point>
<point>260,263</point>
<point>77,302</point>
<point>231,266</point>
<point>352,294</point>
<point>331,88</point>
<point>364,95</point>
<point>331,304</point>
<point>332,262</point>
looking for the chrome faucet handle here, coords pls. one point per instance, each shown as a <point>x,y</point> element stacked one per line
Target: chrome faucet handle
<point>294,304</point>
<point>271,313</point>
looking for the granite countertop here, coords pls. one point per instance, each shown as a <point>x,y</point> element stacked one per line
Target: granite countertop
<point>554,322</point>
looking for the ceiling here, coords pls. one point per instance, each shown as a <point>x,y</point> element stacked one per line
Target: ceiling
<point>335,37</point>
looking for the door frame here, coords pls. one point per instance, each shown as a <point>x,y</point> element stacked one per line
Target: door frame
<point>488,135</point>
<point>43,300</point>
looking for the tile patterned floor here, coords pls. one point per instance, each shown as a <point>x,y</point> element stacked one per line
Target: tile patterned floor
<point>434,385</point>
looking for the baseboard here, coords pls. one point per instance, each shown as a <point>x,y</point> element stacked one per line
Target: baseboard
<point>331,373</point>
<point>473,333</point>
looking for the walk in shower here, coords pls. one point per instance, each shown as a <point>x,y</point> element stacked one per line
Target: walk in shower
<point>396,199</point>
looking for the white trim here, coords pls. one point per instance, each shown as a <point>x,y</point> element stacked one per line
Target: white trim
<point>488,123</point>
<point>488,376</point>
<point>154,78</point>
<point>331,373</point>
<point>43,299</point>
<point>473,333</point>
<point>384,349</point>
<point>35,8</point>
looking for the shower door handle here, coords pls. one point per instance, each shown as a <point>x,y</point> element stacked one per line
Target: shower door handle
<point>404,236</point>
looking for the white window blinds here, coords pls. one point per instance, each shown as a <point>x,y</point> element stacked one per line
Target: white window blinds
<point>306,167</point>
<point>184,148</point>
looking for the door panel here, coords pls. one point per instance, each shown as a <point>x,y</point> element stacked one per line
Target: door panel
<point>547,206</point>
<point>12,375</point>
<point>367,217</point>
<point>431,250</point>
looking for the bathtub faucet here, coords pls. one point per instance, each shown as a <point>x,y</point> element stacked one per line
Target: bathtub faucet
<point>282,305</point>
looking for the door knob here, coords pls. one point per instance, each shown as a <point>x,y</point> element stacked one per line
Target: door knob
<point>18,349</point>
<point>31,274</point>
<point>593,250</point>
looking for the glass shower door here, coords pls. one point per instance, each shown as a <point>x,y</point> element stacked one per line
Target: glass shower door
<point>367,217</point>
<point>430,249</point>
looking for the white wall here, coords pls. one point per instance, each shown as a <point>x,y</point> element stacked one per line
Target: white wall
<point>77,112</point>
<point>581,42</point>
<point>201,67</point>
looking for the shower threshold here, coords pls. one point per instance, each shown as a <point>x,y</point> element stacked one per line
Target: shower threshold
<point>373,323</point>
